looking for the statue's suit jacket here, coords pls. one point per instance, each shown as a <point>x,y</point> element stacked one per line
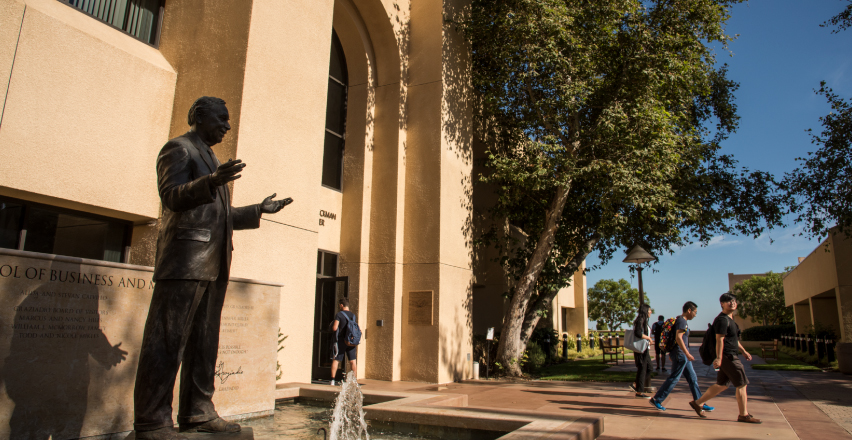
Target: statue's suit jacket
<point>198,221</point>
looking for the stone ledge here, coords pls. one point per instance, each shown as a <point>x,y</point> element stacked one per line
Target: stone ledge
<point>451,410</point>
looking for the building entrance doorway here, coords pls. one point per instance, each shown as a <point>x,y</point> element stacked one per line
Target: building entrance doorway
<point>329,292</point>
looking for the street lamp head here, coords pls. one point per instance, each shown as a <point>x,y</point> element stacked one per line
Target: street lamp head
<point>638,255</point>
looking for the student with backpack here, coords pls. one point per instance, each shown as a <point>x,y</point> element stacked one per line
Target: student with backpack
<point>676,342</point>
<point>727,362</point>
<point>657,330</point>
<point>345,325</point>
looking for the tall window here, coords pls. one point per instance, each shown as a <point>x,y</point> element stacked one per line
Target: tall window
<point>335,117</point>
<point>140,18</point>
<point>39,228</point>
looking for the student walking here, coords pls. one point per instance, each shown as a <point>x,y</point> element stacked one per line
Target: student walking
<point>727,363</point>
<point>340,326</point>
<point>681,360</point>
<point>657,330</point>
<point>643,360</point>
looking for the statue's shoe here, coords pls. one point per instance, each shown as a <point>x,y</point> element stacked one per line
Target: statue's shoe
<point>212,426</point>
<point>167,433</point>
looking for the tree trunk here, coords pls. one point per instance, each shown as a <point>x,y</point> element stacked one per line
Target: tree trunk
<point>512,344</point>
<point>543,302</point>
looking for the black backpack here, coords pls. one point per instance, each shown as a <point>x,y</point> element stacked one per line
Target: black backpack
<point>708,346</point>
<point>353,332</point>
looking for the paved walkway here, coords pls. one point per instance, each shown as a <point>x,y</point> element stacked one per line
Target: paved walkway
<point>781,399</point>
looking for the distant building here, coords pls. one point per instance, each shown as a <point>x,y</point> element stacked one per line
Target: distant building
<point>733,280</point>
<point>820,287</point>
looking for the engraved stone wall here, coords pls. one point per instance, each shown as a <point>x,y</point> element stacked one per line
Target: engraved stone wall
<point>70,332</point>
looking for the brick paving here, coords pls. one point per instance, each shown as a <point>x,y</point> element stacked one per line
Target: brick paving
<point>792,405</point>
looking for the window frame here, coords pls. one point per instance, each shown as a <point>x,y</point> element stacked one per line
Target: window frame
<point>158,30</point>
<point>28,205</point>
<point>327,131</point>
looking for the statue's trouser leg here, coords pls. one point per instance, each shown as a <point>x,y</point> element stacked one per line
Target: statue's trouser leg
<point>198,373</point>
<point>167,330</point>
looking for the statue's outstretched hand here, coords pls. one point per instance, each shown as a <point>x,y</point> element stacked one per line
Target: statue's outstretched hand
<point>269,206</point>
<point>227,172</point>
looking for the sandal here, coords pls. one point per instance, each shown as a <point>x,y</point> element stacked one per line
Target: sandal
<point>698,409</point>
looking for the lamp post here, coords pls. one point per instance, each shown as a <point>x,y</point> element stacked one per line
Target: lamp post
<point>638,256</point>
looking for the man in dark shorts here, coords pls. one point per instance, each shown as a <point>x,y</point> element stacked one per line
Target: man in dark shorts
<point>657,330</point>
<point>341,326</point>
<point>727,363</point>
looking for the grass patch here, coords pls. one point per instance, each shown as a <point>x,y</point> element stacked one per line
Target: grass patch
<point>785,362</point>
<point>588,369</point>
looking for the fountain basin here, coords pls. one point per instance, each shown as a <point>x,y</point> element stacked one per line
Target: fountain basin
<point>438,415</point>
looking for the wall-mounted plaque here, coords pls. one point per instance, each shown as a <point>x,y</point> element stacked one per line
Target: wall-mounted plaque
<point>420,307</point>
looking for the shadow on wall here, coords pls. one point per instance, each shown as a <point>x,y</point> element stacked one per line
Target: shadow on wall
<point>57,346</point>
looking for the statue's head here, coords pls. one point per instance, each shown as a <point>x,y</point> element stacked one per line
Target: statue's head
<point>209,118</point>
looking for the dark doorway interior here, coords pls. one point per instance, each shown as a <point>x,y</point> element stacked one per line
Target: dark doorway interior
<point>330,288</point>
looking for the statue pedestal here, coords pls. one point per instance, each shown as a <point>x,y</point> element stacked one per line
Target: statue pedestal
<point>844,357</point>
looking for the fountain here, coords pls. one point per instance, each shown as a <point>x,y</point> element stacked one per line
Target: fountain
<point>347,419</point>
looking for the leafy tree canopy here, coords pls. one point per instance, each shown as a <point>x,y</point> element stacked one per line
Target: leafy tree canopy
<point>762,298</point>
<point>820,189</point>
<point>603,120</point>
<point>613,303</point>
<point>843,20</point>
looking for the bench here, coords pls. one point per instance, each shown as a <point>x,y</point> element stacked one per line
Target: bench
<point>769,350</point>
<point>612,348</point>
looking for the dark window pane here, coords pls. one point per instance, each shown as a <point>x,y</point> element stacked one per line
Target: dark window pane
<point>332,161</point>
<point>59,233</point>
<point>319,262</point>
<point>11,216</point>
<point>41,231</point>
<point>330,265</point>
<point>335,112</point>
<point>337,66</point>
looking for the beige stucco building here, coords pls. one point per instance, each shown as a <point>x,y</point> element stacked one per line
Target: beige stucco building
<point>357,109</point>
<point>820,288</point>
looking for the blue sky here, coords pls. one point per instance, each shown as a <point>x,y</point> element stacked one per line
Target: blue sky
<point>779,58</point>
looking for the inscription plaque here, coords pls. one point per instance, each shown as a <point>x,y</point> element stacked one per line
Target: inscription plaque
<point>420,307</point>
<point>70,332</point>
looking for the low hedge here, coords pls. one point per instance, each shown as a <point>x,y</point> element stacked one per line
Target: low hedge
<point>767,332</point>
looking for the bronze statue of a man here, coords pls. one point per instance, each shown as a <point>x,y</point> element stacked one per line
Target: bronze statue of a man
<point>191,273</point>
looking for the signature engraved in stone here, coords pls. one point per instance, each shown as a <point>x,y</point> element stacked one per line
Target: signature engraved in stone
<point>224,375</point>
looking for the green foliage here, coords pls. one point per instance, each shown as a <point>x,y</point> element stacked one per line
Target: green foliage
<point>767,332</point>
<point>762,298</point>
<point>821,188</point>
<point>613,302</point>
<point>843,20</point>
<point>600,325</point>
<point>599,117</point>
<point>536,357</point>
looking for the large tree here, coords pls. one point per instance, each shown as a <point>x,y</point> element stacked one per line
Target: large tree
<point>762,298</point>
<point>596,116</point>
<point>614,302</point>
<point>821,187</point>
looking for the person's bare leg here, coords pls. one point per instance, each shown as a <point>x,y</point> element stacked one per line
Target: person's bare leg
<point>712,392</point>
<point>742,400</point>
<point>334,365</point>
<point>353,367</point>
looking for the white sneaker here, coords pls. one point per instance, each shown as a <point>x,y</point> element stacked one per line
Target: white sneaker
<point>332,382</point>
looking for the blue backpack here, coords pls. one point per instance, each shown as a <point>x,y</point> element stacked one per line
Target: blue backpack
<point>353,332</point>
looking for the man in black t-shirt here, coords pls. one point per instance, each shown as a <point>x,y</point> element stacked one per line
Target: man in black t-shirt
<point>341,326</point>
<point>727,362</point>
<point>681,360</point>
